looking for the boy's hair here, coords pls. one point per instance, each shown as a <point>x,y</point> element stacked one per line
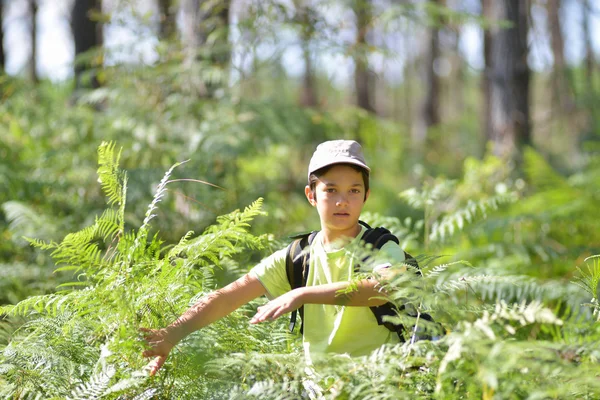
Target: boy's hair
<point>313,177</point>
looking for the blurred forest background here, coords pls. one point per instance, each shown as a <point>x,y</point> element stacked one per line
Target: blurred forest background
<point>480,120</point>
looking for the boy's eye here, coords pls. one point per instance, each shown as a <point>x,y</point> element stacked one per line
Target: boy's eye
<point>330,190</point>
<point>355,190</point>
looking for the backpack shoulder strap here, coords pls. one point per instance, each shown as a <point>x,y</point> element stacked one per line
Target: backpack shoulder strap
<point>377,237</point>
<point>297,263</point>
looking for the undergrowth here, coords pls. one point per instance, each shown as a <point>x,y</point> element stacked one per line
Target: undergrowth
<point>501,334</point>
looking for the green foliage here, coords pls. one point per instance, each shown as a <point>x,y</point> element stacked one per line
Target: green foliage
<point>125,279</point>
<point>82,341</point>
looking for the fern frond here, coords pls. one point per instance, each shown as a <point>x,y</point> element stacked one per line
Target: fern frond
<point>41,244</point>
<point>458,220</point>
<point>430,193</point>
<point>142,233</point>
<point>24,307</point>
<point>179,247</point>
<point>109,224</point>
<point>24,221</point>
<point>95,387</point>
<point>589,281</point>
<point>439,269</point>
<point>108,172</point>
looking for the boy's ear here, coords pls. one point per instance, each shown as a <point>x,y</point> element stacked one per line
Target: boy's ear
<point>367,195</point>
<point>310,195</point>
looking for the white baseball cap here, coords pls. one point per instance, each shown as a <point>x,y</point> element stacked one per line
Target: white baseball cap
<point>337,152</point>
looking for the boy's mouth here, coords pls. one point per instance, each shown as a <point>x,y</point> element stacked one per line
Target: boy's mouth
<point>341,214</point>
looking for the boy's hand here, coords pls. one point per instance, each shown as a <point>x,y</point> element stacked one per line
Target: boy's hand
<point>275,308</point>
<point>160,345</point>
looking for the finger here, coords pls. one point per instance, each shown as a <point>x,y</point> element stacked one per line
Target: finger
<point>148,353</point>
<point>146,332</point>
<point>277,313</point>
<point>156,364</point>
<point>260,316</point>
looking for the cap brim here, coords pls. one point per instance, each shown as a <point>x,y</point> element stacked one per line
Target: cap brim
<point>340,160</point>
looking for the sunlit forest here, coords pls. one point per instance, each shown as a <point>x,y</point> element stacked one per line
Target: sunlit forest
<point>170,157</point>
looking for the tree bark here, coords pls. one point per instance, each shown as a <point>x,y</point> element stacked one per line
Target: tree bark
<point>509,80</point>
<point>167,24</point>
<point>305,19</point>
<point>362,75</point>
<point>202,19</point>
<point>431,109</point>
<point>560,87</point>
<point>430,106</point>
<point>587,40</point>
<point>2,53</point>
<point>486,13</point>
<point>32,67</point>
<point>87,35</point>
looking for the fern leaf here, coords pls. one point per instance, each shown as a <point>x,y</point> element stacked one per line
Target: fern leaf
<point>108,172</point>
<point>95,387</point>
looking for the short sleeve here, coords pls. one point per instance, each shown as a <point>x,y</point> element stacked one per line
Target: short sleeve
<point>272,275</point>
<point>389,254</point>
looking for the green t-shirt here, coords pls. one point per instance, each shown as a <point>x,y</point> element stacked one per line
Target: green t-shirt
<point>331,328</point>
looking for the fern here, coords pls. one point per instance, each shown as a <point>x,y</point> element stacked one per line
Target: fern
<point>129,281</point>
<point>108,173</point>
<point>450,224</point>
<point>590,281</point>
<point>96,387</point>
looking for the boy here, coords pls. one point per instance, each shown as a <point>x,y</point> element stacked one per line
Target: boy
<point>338,187</point>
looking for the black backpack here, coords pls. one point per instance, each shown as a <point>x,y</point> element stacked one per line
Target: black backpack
<point>297,265</point>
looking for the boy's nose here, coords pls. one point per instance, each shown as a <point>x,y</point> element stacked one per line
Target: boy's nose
<point>341,200</point>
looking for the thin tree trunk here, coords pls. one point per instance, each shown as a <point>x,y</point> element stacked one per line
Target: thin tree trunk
<point>430,108</point>
<point>2,54</point>
<point>33,11</point>
<point>167,25</point>
<point>362,75</point>
<point>407,83</point>
<point>509,90</point>
<point>486,13</point>
<point>587,40</point>
<point>87,35</point>
<point>308,95</point>
<point>460,73</point>
<point>201,20</point>
<point>560,87</point>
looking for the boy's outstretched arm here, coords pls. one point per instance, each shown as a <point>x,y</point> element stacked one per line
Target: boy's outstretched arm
<point>206,311</point>
<point>367,294</point>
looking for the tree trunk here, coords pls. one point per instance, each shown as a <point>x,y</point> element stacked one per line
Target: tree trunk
<point>304,17</point>
<point>509,80</point>
<point>2,54</point>
<point>167,25</point>
<point>32,67</point>
<point>362,75</point>
<point>560,87</point>
<point>486,13</point>
<point>587,40</point>
<point>87,35</point>
<point>202,19</point>
<point>430,108</point>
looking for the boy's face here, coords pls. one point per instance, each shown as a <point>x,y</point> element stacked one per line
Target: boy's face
<point>339,197</point>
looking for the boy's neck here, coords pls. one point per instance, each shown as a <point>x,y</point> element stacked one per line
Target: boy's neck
<point>329,236</point>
